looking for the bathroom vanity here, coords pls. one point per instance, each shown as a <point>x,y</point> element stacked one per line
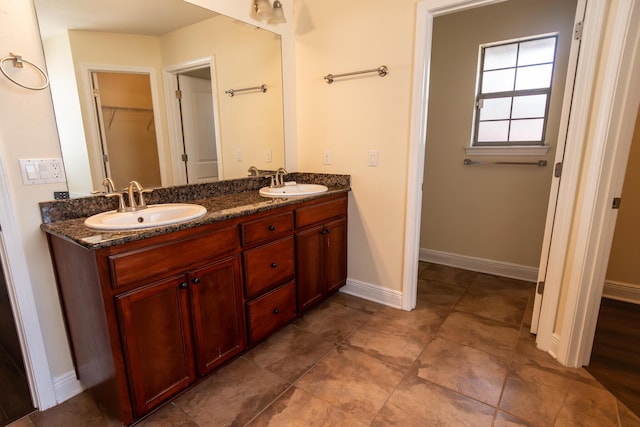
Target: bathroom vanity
<point>149,313</point>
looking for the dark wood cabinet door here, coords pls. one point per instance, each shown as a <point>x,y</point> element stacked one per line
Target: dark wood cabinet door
<point>335,254</point>
<point>156,335</point>
<point>218,316</point>
<point>309,268</point>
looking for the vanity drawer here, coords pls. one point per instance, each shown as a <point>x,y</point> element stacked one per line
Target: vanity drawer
<point>271,311</point>
<point>268,265</point>
<point>266,228</point>
<point>320,212</point>
<point>167,257</point>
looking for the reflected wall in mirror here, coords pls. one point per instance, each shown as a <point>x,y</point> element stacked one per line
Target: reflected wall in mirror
<point>179,46</point>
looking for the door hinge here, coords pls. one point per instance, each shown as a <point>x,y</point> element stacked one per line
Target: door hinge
<point>179,94</point>
<point>185,158</point>
<point>96,93</point>
<point>540,288</point>
<point>616,203</point>
<point>105,158</point>
<point>557,170</point>
<point>577,30</point>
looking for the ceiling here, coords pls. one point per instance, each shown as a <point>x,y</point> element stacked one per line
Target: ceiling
<point>149,17</point>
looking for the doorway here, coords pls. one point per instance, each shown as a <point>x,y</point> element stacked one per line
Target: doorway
<point>194,121</point>
<point>15,399</point>
<point>124,107</point>
<point>485,215</point>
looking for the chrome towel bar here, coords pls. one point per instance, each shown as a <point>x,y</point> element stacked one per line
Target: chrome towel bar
<point>381,70</point>
<point>262,88</point>
<point>540,163</point>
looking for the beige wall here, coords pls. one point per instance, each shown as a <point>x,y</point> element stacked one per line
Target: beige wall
<point>492,212</point>
<point>352,116</point>
<point>28,130</point>
<point>251,122</point>
<point>623,261</point>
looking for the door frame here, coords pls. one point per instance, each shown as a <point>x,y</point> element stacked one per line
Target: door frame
<point>585,78</point>
<point>169,74</point>
<point>614,119</point>
<point>93,137</point>
<point>23,302</point>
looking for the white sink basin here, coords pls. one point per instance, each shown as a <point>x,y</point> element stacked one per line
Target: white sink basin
<point>293,190</point>
<point>152,216</point>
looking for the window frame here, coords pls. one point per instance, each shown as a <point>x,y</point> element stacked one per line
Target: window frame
<point>479,97</point>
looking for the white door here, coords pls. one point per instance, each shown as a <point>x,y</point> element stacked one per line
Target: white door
<point>555,183</point>
<point>198,129</point>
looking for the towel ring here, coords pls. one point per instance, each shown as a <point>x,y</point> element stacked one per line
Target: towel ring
<point>18,62</point>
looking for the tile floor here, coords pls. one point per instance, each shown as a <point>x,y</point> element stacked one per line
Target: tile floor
<point>463,357</point>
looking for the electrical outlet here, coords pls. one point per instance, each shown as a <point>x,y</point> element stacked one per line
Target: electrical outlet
<point>326,158</point>
<point>238,155</point>
<point>267,156</point>
<point>42,171</point>
<point>60,195</point>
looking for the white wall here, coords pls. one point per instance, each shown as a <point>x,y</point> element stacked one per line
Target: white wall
<point>28,130</point>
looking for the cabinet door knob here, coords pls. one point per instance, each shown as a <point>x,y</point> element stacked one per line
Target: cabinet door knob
<point>276,311</point>
<point>196,280</point>
<point>184,285</point>
<point>325,231</point>
<point>272,227</point>
<point>274,265</point>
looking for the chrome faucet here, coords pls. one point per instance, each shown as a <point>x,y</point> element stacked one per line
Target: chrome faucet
<point>279,178</point>
<point>253,171</point>
<point>110,191</point>
<point>134,186</point>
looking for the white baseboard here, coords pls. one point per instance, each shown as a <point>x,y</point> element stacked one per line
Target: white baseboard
<point>373,293</point>
<point>555,345</point>
<point>497,268</point>
<point>66,386</point>
<point>620,291</point>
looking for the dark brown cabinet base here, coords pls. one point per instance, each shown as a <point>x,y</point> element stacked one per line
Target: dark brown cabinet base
<point>147,318</point>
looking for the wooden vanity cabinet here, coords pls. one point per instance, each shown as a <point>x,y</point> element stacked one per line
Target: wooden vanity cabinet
<point>321,250</point>
<point>146,318</point>
<point>269,271</point>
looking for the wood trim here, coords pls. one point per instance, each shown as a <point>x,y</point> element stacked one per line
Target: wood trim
<point>482,265</point>
<point>614,114</point>
<point>620,291</point>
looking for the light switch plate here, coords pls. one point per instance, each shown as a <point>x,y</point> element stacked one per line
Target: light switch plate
<point>42,171</point>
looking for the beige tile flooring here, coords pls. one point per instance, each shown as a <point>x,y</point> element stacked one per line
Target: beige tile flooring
<point>463,357</point>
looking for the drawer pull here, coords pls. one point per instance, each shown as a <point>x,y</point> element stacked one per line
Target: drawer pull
<point>325,231</point>
<point>184,285</point>
<point>196,280</point>
<point>272,227</point>
<point>276,311</point>
<point>274,265</point>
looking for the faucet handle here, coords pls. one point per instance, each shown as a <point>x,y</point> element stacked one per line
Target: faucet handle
<point>253,171</point>
<point>121,205</point>
<point>141,202</point>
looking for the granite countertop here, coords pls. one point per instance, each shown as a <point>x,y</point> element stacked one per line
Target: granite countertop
<point>224,200</point>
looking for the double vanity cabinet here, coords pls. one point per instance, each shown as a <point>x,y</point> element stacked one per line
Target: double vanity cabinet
<point>147,318</point>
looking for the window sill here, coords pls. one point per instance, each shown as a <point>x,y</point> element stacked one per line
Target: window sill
<point>520,150</point>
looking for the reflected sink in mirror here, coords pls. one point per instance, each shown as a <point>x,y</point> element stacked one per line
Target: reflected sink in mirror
<point>293,190</point>
<point>152,216</point>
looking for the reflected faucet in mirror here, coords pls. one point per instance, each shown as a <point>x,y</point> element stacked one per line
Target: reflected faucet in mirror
<point>150,37</point>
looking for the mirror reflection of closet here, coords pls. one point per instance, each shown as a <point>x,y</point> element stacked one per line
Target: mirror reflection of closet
<point>127,130</point>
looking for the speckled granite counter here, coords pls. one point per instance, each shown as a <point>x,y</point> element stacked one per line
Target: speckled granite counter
<point>223,200</point>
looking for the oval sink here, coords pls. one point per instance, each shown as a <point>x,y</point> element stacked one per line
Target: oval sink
<point>293,190</point>
<point>152,216</point>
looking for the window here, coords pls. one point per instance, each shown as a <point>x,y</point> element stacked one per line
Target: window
<point>514,88</point>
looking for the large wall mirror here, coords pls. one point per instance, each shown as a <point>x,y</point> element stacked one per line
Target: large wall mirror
<point>160,91</point>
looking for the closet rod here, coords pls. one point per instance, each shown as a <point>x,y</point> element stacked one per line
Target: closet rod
<point>381,70</point>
